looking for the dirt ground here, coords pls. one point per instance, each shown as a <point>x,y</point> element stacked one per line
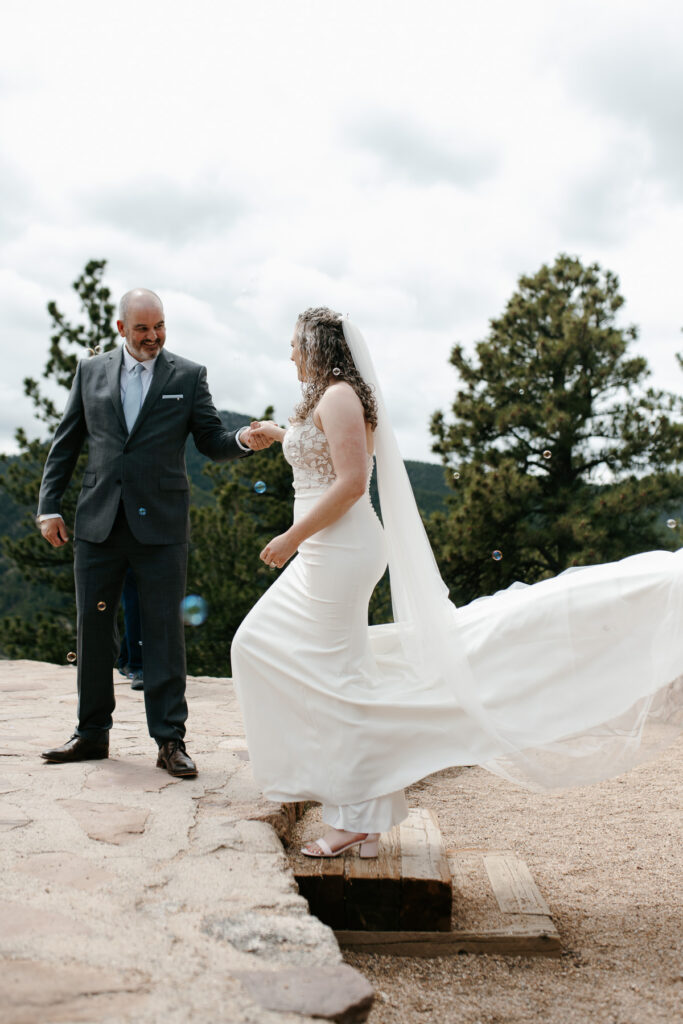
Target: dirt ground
<point>608,860</point>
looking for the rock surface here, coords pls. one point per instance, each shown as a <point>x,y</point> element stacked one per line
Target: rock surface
<point>128,895</point>
<point>331,993</point>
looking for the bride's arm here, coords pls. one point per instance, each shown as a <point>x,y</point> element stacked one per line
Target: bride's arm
<point>341,418</point>
<point>266,430</point>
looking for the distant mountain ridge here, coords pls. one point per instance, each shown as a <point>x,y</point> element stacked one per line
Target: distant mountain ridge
<point>18,597</point>
<point>427,480</point>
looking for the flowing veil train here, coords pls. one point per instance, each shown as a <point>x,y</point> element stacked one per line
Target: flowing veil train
<point>564,682</point>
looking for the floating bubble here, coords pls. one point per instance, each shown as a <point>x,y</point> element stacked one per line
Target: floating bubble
<point>260,487</point>
<point>195,610</point>
<point>672,524</point>
<point>496,555</point>
<point>456,476</point>
<point>336,371</point>
<point>521,391</point>
<point>91,351</point>
<point>98,349</point>
<point>71,657</point>
<point>547,454</point>
<point>101,606</point>
<point>142,511</point>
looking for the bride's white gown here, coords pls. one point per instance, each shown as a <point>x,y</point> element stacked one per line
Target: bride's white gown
<point>577,677</point>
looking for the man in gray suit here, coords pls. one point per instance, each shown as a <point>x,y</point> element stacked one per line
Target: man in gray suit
<point>135,408</point>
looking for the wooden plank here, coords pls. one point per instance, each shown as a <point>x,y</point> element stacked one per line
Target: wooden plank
<point>512,884</point>
<point>321,882</point>
<point>524,942</point>
<point>372,887</point>
<point>427,889</point>
<point>407,887</point>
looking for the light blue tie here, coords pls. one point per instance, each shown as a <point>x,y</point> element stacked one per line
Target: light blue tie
<point>132,400</point>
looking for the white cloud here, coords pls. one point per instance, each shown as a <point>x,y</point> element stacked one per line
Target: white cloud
<point>402,162</point>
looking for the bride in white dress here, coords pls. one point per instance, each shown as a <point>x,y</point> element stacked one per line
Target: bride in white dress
<point>562,683</point>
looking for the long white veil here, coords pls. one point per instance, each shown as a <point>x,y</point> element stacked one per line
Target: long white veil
<point>426,617</point>
<point>434,646</point>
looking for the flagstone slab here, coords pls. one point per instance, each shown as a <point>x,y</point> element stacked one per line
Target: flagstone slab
<point>21,921</point>
<point>19,686</point>
<point>274,938</point>
<point>9,824</point>
<point>34,992</point>
<point>138,776</point>
<point>338,994</point>
<point>108,823</point>
<point>65,868</point>
<point>13,783</point>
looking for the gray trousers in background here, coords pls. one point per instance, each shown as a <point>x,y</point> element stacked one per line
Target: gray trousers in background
<point>160,571</point>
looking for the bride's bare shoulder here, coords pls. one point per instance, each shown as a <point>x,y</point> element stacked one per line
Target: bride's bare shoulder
<point>339,401</point>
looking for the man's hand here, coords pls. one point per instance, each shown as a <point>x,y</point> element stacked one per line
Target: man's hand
<point>54,531</point>
<point>256,437</point>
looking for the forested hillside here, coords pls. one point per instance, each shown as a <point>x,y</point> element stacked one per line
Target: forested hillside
<point>17,597</point>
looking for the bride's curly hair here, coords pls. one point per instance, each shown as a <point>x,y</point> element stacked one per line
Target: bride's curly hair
<point>320,335</point>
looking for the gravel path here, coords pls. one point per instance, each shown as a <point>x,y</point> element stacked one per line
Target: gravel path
<point>608,860</point>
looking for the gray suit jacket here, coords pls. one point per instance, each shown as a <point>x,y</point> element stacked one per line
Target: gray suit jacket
<point>146,469</point>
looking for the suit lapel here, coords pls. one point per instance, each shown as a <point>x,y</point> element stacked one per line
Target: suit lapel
<point>114,381</point>
<point>163,368</point>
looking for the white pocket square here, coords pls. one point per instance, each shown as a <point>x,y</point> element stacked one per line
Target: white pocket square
<point>173,396</point>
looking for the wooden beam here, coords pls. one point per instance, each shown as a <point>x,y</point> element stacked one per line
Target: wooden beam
<point>427,888</point>
<point>513,886</point>
<point>372,887</point>
<point>522,942</point>
<point>321,882</point>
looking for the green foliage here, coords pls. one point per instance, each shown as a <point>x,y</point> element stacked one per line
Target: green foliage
<point>227,538</point>
<point>48,637</point>
<point>564,457</point>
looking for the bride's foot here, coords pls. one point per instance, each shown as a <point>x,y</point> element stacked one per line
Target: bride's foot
<point>337,840</point>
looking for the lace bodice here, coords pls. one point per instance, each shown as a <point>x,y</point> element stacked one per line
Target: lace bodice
<point>306,449</point>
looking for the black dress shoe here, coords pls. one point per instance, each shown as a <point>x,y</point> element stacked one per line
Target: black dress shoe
<point>136,682</point>
<point>175,759</point>
<point>78,748</point>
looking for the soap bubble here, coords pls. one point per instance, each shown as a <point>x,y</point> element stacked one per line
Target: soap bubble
<point>71,657</point>
<point>142,511</point>
<point>91,351</point>
<point>547,454</point>
<point>521,391</point>
<point>101,606</point>
<point>496,555</point>
<point>456,476</point>
<point>194,610</point>
<point>260,487</point>
<point>98,349</point>
<point>336,371</point>
<point>672,524</point>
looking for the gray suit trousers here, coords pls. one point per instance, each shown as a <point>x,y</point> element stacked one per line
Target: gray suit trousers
<point>160,571</point>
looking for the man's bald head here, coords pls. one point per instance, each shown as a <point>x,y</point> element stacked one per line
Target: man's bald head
<point>141,323</point>
<point>133,297</point>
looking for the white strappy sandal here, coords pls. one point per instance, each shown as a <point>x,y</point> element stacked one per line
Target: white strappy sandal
<point>368,847</point>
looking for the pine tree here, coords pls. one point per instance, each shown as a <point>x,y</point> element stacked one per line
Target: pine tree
<point>50,635</point>
<point>558,453</point>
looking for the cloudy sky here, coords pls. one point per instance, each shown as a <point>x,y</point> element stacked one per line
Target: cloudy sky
<point>400,160</point>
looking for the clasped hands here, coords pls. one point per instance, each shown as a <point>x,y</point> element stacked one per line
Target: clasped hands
<point>259,435</point>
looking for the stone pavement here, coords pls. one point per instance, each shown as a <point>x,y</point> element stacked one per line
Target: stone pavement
<point>127,895</point>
